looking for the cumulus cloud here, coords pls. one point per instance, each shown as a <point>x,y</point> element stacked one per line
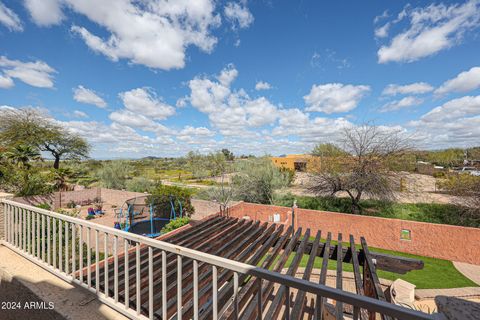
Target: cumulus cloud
<point>463,82</point>
<point>413,88</point>
<point>231,111</point>
<point>335,97</point>
<point>6,82</point>
<point>158,32</point>
<point>79,114</point>
<point>262,85</point>
<point>431,29</point>
<point>136,120</point>
<point>10,19</point>
<point>88,96</point>
<point>405,102</point>
<point>238,15</point>
<point>144,101</point>
<point>455,123</point>
<point>45,12</point>
<point>454,109</point>
<point>37,74</point>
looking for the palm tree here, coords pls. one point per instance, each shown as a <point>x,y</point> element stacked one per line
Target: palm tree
<point>61,176</point>
<point>21,155</point>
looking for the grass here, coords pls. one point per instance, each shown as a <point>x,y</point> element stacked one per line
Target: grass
<point>436,273</point>
<point>424,212</point>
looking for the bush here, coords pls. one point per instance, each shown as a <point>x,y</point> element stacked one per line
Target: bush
<point>161,196</point>
<point>175,224</point>
<point>71,204</point>
<point>89,217</point>
<point>113,174</point>
<point>140,184</point>
<point>44,205</point>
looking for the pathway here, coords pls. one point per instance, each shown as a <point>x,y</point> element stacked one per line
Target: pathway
<point>470,271</point>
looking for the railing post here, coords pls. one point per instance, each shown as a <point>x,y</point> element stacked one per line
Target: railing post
<point>3,219</point>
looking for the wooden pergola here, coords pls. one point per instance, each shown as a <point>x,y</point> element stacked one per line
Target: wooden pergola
<point>270,246</point>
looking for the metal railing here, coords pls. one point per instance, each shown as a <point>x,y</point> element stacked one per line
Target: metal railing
<point>57,243</point>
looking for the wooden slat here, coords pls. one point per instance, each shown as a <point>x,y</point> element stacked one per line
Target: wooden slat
<point>251,311</point>
<point>319,304</point>
<point>358,278</point>
<point>229,250</point>
<point>339,278</point>
<point>249,291</point>
<point>279,299</point>
<point>225,294</point>
<point>385,261</point>
<point>370,277</point>
<point>300,300</point>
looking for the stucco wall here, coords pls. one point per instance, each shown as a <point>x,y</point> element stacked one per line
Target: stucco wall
<point>427,239</point>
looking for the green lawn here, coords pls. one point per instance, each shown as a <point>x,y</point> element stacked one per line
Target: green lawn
<point>436,274</point>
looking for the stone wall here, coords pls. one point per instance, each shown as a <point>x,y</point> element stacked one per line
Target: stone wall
<point>426,239</point>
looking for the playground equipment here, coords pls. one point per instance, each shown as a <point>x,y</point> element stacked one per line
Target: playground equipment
<point>138,216</point>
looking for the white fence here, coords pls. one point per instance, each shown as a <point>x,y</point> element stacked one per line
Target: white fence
<point>59,244</point>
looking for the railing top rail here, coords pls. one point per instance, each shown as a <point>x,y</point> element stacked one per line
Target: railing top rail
<point>290,281</point>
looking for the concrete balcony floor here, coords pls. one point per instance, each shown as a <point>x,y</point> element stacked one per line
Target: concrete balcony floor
<point>22,281</point>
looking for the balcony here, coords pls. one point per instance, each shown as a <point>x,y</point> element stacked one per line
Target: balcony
<point>221,268</point>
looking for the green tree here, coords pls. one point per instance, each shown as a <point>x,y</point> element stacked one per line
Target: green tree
<point>30,127</point>
<point>228,154</point>
<point>22,155</point>
<point>256,180</point>
<point>328,150</point>
<point>114,174</point>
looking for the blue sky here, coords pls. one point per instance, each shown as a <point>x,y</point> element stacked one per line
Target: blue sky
<point>140,78</point>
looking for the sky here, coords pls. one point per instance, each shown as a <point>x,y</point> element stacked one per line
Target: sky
<point>161,78</point>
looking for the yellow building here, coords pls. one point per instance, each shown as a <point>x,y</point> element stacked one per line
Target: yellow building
<point>294,162</point>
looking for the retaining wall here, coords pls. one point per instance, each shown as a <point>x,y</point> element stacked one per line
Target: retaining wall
<point>426,239</point>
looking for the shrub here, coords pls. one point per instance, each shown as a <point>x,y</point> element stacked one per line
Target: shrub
<point>71,204</point>
<point>175,224</point>
<point>89,217</point>
<point>140,184</point>
<point>44,205</point>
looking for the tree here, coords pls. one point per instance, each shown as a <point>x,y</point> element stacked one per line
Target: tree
<point>228,154</point>
<point>364,171</point>
<point>30,127</point>
<point>21,155</point>
<point>328,150</point>
<point>60,177</point>
<point>114,174</point>
<point>257,180</point>
<point>163,196</point>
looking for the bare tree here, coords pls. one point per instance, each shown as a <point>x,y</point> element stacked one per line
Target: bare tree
<point>364,170</point>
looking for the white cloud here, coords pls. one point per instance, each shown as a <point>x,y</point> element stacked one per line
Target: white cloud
<point>153,33</point>
<point>6,82</point>
<point>454,109</point>
<point>135,120</point>
<point>45,12</point>
<point>382,32</point>
<point>262,85</point>
<point>463,82</point>
<point>401,104</point>
<point>88,96</point>
<point>232,112</point>
<point>334,97</point>
<point>10,19</point>
<point>455,123</point>
<point>37,74</point>
<point>144,101</point>
<point>413,88</point>
<point>79,114</point>
<point>431,29</point>
<point>238,15</point>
